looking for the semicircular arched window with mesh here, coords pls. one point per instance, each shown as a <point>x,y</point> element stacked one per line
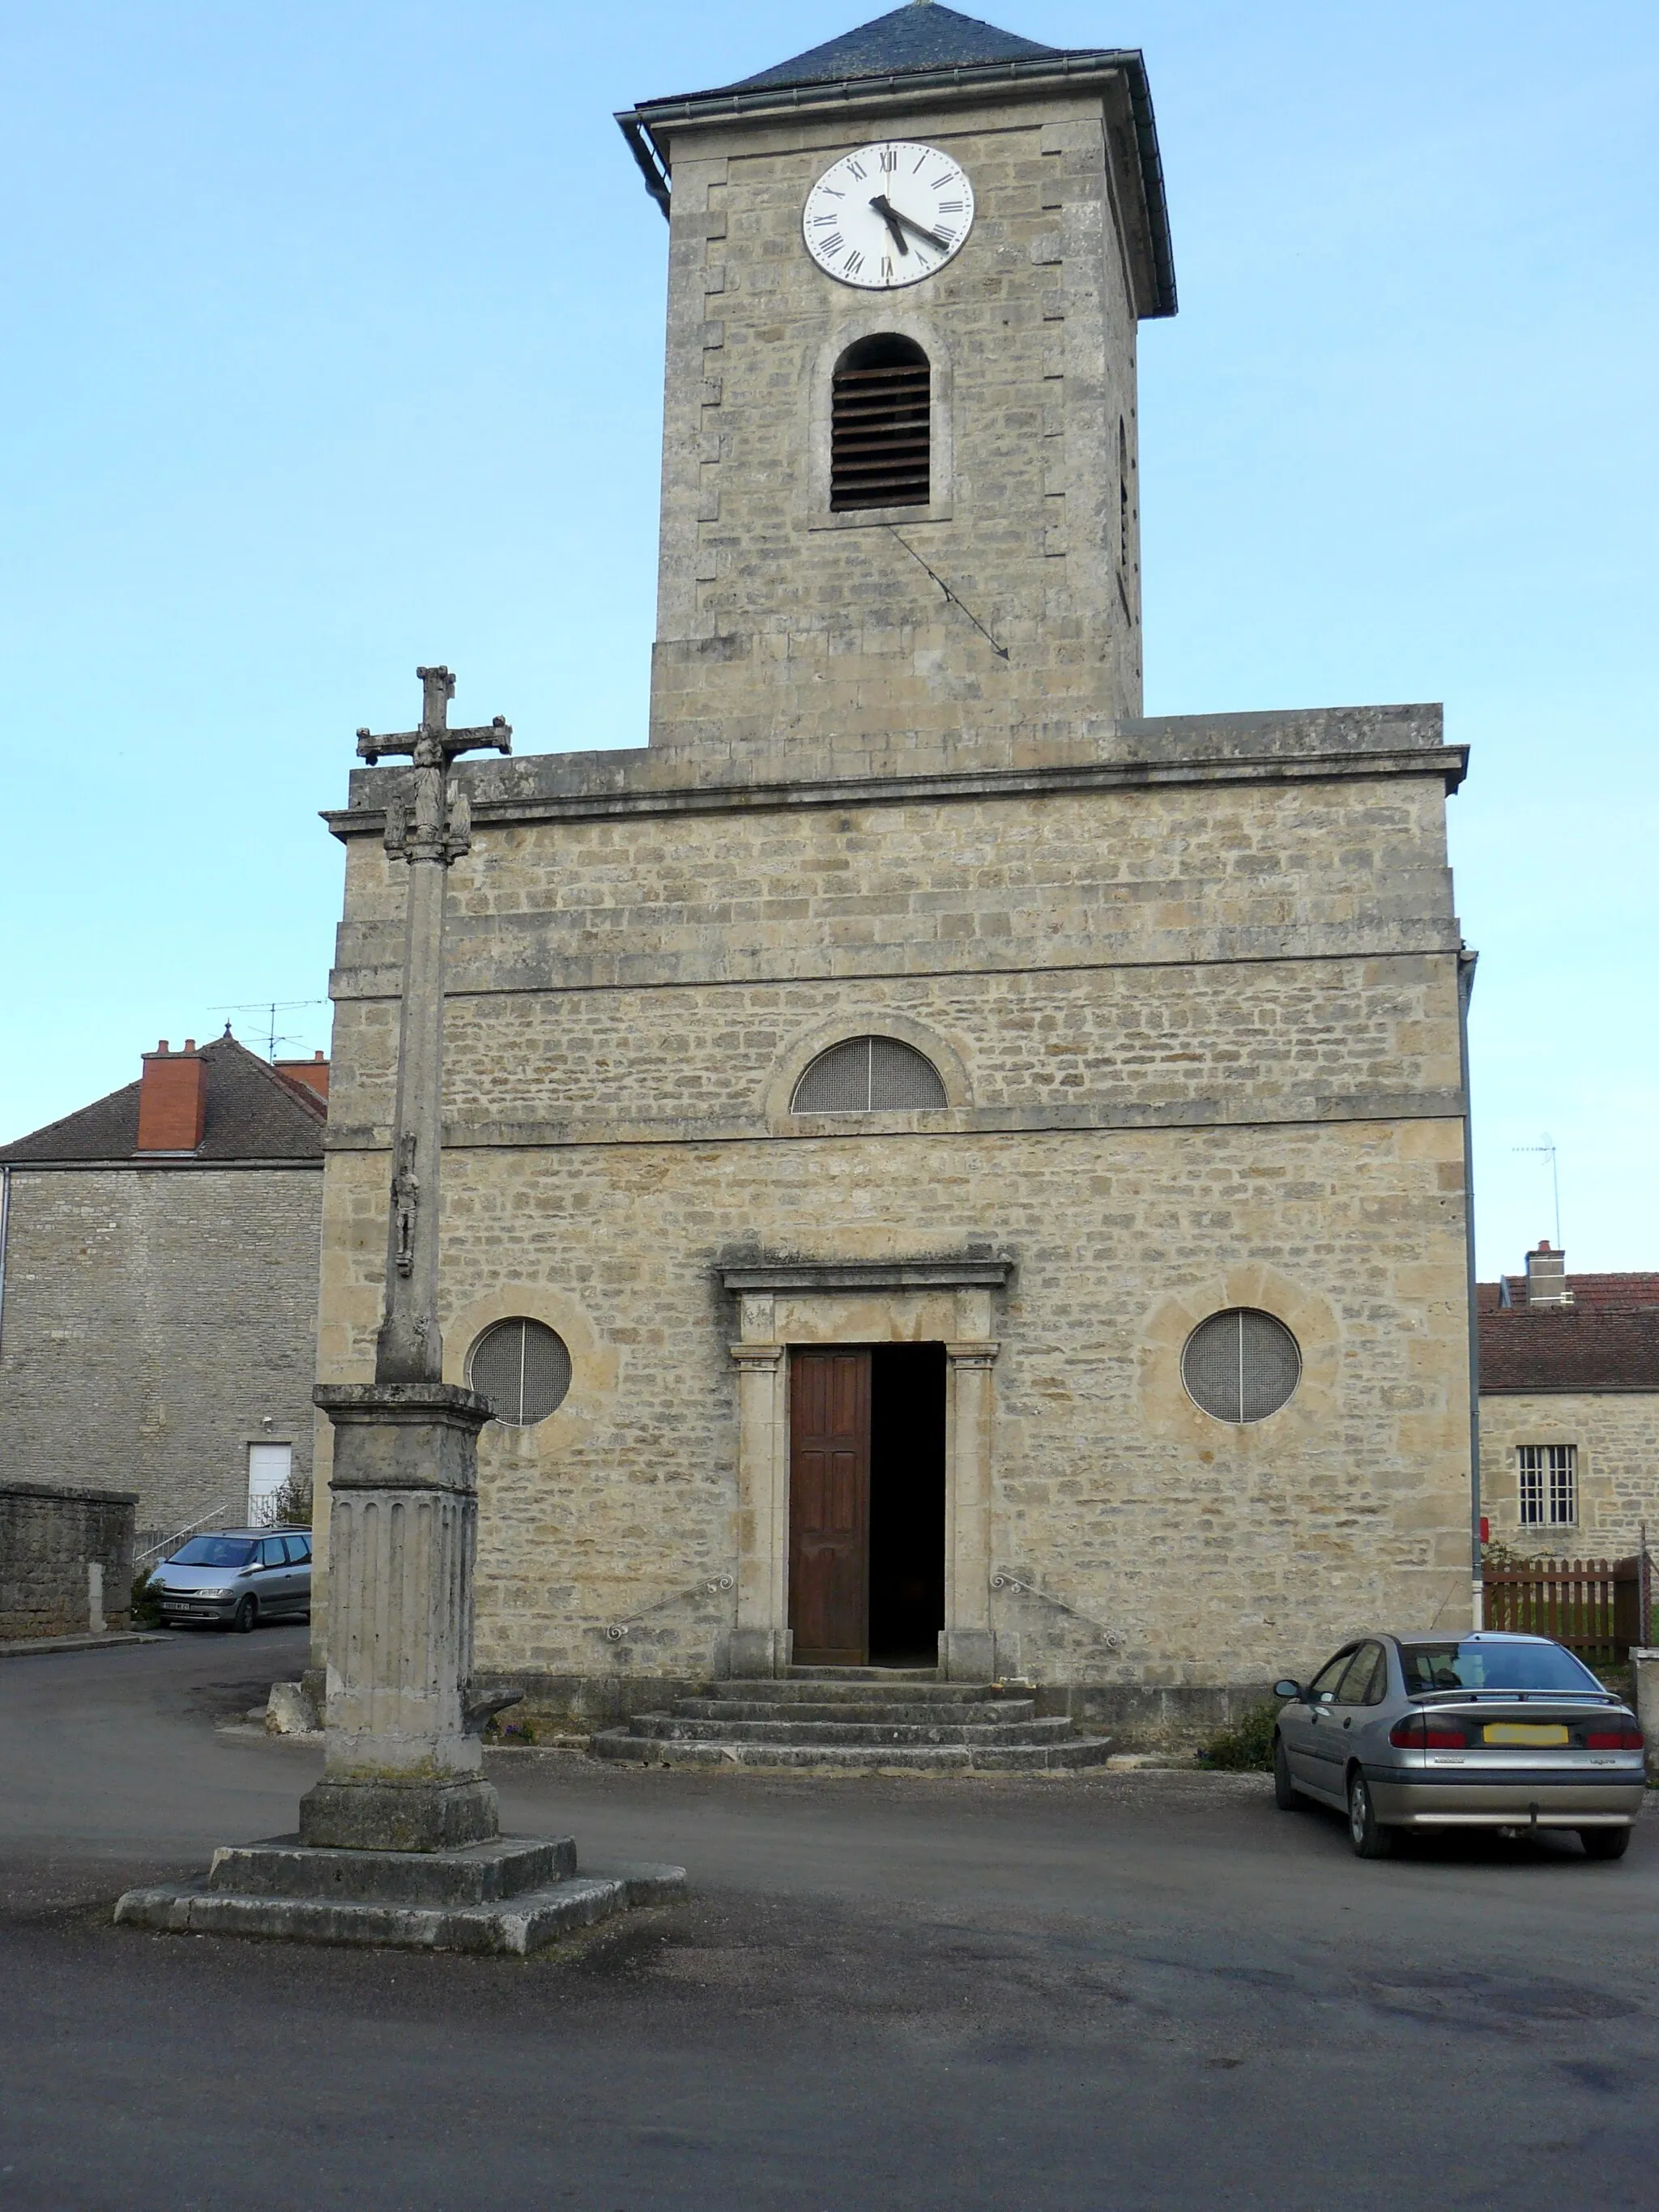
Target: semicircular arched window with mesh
<point>1240,1365</point>
<point>868,1075</point>
<point>523,1368</point>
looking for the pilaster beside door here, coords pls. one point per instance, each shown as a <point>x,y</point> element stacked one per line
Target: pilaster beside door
<point>967,1646</point>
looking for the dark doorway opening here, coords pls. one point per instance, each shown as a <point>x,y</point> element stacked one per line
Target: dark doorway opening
<point>907,1503</point>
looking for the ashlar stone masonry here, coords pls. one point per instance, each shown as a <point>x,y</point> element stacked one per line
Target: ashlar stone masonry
<point>1190,987</point>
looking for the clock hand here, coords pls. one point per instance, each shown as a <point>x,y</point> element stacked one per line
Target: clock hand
<point>891,219</point>
<point>931,237</point>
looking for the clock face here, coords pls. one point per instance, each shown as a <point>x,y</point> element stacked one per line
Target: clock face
<point>888,214</point>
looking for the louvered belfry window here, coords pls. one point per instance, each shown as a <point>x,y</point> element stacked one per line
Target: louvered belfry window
<point>524,1370</point>
<point>880,405</point>
<point>1240,1365</point>
<point>868,1075</point>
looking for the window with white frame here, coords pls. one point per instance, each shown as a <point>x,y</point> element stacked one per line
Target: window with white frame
<point>1549,1485</point>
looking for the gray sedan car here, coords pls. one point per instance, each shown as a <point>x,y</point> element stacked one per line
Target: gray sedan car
<point>1488,1730</point>
<point>237,1577</point>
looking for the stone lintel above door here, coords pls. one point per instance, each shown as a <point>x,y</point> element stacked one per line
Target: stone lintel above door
<point>786,1276</point>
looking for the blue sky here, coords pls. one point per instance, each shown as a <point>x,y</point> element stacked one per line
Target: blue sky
<point>332,344</point>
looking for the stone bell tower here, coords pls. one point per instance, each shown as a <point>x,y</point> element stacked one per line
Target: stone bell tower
<point>899,479</point>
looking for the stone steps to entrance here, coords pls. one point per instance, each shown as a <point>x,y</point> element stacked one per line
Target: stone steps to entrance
<point>665,1728</point>
<point>851,1718</point>
<point>843,1676</point>
<point>863,1688</point>
<point>912,1712</point>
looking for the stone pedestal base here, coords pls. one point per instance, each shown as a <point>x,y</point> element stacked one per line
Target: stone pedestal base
<point>399,1816</point>
<point>513,1895</point>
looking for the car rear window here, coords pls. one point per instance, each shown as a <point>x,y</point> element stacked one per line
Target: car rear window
<point>299,1549</point>
<point>1475,1666</point>
<point>214,1552</point>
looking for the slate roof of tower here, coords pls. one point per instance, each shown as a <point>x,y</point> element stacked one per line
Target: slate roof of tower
<point>943,51</point>
<point>907,38</point>
<point>252,1114</point>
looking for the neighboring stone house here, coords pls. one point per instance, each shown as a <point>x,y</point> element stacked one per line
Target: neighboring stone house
<point>158,1285</point>
<point>939,1166</point>
<point>1570,1410</point>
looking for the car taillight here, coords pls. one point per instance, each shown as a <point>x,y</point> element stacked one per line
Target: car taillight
<point>1622,1735</point>
<point>1428,1732</point>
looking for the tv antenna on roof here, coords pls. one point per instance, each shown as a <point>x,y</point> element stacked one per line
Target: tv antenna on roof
<point>270,1008</point>
<point>1545,1149</point>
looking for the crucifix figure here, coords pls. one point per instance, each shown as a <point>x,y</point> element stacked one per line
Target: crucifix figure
<point>409,1348</point>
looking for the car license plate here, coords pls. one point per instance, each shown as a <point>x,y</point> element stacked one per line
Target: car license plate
<point>1524,1732</point>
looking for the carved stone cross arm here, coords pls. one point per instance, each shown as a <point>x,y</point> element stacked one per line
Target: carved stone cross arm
<point>443,828</point>
<point>434,745</point>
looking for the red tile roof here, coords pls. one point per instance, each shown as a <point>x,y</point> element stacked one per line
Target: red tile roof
<point>1588,1346</point>
<point>252,1113</point>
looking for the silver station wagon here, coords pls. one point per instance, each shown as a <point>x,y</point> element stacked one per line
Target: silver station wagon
<point>1488,1730</point>
<point>236,1577</point>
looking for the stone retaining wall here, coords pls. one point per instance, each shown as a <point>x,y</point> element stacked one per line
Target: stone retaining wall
<point>52,1540</point>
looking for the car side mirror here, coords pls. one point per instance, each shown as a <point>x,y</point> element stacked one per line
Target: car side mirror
<point>1287,1688</point>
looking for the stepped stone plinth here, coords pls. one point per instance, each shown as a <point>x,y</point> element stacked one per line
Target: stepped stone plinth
<point>512,1895</point>
<point>855,1717</point>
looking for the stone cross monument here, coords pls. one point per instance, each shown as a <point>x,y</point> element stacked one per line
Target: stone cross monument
<point>403,1766</point>
<point>400,1841</point>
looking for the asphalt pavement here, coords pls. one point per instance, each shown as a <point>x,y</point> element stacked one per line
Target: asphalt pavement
<point>1099,1992</point>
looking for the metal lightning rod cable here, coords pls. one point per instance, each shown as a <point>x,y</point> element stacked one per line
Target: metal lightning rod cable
<point>1001,650</point>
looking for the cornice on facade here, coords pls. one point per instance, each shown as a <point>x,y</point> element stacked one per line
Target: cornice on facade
<point>1296,746</point>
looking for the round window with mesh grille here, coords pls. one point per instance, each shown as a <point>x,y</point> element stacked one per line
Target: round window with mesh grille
<point>524,1370</point>
<point>1240,1365</point>
<point>868,1075</point>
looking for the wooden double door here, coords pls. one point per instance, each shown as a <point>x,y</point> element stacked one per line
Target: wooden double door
<point>866,1503</point>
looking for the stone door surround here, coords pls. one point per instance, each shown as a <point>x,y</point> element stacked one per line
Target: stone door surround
<point>863,1302</point>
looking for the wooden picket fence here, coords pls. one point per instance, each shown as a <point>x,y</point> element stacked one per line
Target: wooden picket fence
<point>1595,1607</point>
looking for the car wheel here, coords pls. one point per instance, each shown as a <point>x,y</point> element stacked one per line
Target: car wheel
<point>1284,1796</point>
<point>1604,1843</point>
<point>245,1615</point>
<point>1370,1840</point>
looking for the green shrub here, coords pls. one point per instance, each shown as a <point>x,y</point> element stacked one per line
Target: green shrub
<point>1248,1748</point>
<point>146,1605</point>
<point>290,1507</point>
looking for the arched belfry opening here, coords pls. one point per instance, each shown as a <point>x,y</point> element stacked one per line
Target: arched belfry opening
<point>880,425</point>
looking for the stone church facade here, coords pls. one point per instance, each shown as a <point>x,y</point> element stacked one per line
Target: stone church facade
<point>940,1167</point>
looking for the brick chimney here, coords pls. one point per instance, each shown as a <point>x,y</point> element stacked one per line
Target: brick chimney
<point>311,1074</point>
<point>171,1099</point>
<point>1546,1277</point>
